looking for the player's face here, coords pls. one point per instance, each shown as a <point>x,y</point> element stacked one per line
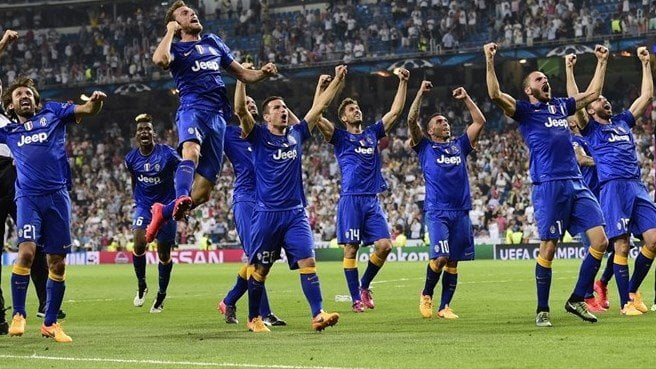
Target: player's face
<point>539,87</point>
<point>439,128</point>
<point>278,114</point>
<point>601,108</point>
<point>352,114</point>
<point>145,134</point>
<point>188,20</point>
<point>251,106</point>
<point>23,102</point>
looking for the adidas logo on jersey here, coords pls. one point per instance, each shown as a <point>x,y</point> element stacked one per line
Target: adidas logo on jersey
<point>211,65</point>
<point>556,123</point>
<point>455,160</point>
<point>284,155</point>
<point>35,138</point>
<point>150,180</point>
<point>365,150</point>
<point>616,138</point>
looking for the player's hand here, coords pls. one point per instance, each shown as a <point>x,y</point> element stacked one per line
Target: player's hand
<point>173,26</point>
<point>643,54</point>
<point>402,73</point>
<point>269,70</point>
<point>324,81</point>
<point>97,96</point>
<point>570,60</point>
<point>601,52</point>
<point>460,93</point>
<point>425,88</point>
<point>247,65</point>
<point>8,37</point>
<point>490,50</point>
<point>340,71</point>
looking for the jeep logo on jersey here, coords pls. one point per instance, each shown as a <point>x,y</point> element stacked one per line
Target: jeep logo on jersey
<point>556,123</point>
<point>35,138</point>
<point>284,155</point>
<point>211,65</point>
<point>449,160</point>
<point>616,138</point>
<point>149,180</point>
<point>365,150</point>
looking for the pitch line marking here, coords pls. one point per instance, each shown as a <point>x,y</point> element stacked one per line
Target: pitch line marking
<point>166,362</point>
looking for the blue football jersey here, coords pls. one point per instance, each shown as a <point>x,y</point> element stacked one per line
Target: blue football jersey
<point>153,174</point>
<point>444,165</point>
<point>613,147</point>
<point>278,171</point>
<point>196,71</point>
<point>240,154</point>
<point>546,132</point>
<point>39,149</point>
<point>589,173</point>
<point>359,160</point>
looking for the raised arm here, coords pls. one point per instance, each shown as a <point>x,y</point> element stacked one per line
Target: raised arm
<point>413,115</point>
<point>247,75</point>
<point>399,100</point>
<point>162,55</point>
<point>478,119</point>
<point>597,82</point>
<point>506,102</point>
<point>580,117</point>
<point>326,127</point>
<point>325,98</point>
<point>582,158</point>
<point>246,120</point>
<point>647,90</point>
<point>91,107</point>
<point>7,38</point>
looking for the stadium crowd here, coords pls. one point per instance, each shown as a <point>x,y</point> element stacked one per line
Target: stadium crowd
<point>118,49</point>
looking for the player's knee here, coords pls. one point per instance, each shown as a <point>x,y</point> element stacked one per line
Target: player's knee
<point>601,244</point>
<point>139,248</point>
<point>351,251</point>
<point>164,256</point>
<point>57,267</point>
<point>261,270</point>
<point>441,262</point>
<point>307,263</point>
<point>191,151</point>
<point>621,246</point>
<point>451,264</point>
<point>25,257</point>
<point>384,246</point>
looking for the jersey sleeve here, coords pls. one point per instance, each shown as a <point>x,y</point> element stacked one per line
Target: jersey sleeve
<point>464,144</point>
<point>224,52</point>
<point>338,136</point>
<point>303,129</point>
<point>589,129</point>
<point>174,158</point>
<point>421,146</point>
<point>521,107</point>
<point>570,105</point>
<point>3,135</point>
<point>64,111</point>
<point>379,129</point>
<point>174,57</point>
<point>628,118</point>
<point>255,134</point>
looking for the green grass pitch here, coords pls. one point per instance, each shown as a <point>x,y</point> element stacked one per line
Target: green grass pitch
<point>495,301</point>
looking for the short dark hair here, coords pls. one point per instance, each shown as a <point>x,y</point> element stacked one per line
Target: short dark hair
<point>143,118</point>
<point>172,9</point>
<point>21,81</point>
<point>265,104</point>
<point>343,104</point>
<point>429,120</point>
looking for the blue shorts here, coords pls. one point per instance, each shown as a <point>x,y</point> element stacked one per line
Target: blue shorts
<point>273,230</point>
<point>208,129</point>
<point>564,205</point>
<point>360,220</point>
<point>166,234</point>
<point>451,235</point>
<point>243,213</point>
<point>627,207</point>
<point>46,221</point>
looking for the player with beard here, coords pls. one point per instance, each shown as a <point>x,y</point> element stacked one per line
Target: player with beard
<point>562,201</point>
<point>448,200</point>
<point>152,167</point>
<point>360,217</point>
<point>614,150</point>
<point>37,143</point>
<point>195,63</point>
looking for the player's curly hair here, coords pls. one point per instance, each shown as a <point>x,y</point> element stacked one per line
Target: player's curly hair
<point>172,9</point>
<point>343,104</point>
<point>143,118</point>
<point>21,81</point>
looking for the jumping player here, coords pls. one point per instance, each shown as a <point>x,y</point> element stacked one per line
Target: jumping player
<point>195,63</point>
<point>360,217</point>
<point>152,167</point>
<point>279,219</point>
<point>562,201</point>
<point>448,200</point>
<point>37,143</point>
